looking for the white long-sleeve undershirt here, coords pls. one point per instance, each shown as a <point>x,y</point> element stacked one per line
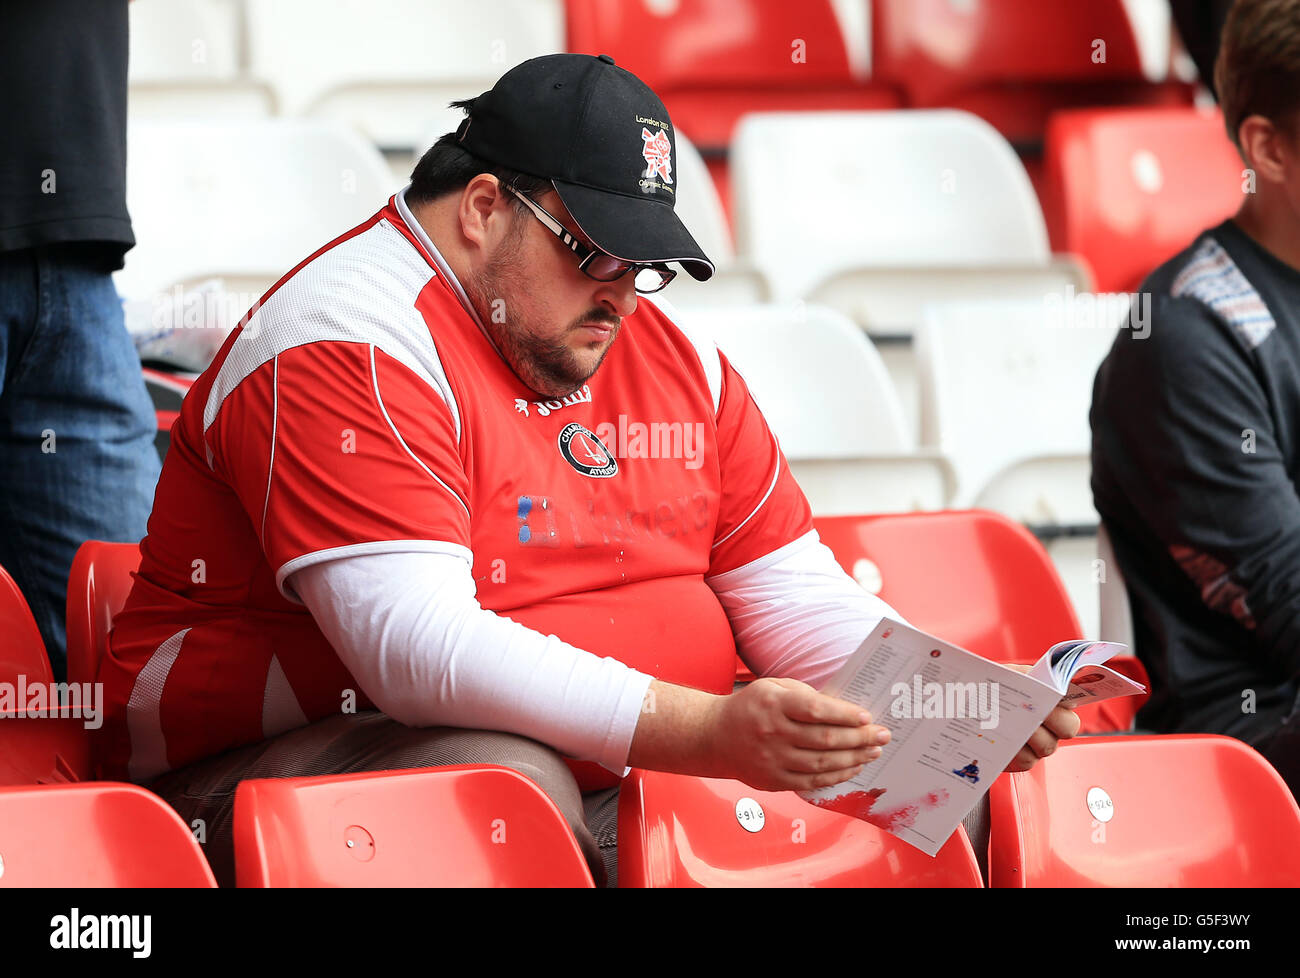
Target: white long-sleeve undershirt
<point>796,614</point>
<point>410,630</point>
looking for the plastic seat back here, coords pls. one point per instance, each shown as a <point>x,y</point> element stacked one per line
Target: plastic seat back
<point>699,206</point>
<point>974,578</point>
<point>98,834</point>
<point>680,831</point>
<point>890,302</point>
<point>1129,188</point>
<point>712,62</point>
<point>819,381</point>
<point>1014,62</point>
<point>389,67</point>
<point>461,825</point>
<point>196,186</point>
<point>950,191</point>
<point>698,43</point>
<point>51,748</point>
<point>1165,811</point>
<point>98,585</point>
<point>1005,388</point>
<point>826,395</point>
<point>167,391</point>
<point>182,41</point>
<point>41,749</point>
<point>22,650</point>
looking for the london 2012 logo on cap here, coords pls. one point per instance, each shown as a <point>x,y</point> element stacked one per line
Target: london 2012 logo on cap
<point>586,453</point>
<point>658,154</point>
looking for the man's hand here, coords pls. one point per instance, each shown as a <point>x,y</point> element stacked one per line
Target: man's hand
<point>778,734</point>
<point>774,735</point>
<point>1061,724</point>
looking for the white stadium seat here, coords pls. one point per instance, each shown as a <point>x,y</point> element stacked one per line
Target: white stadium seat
<point>187,60</point>
<point>1116,612</point>
<point>818,193</point>
<point>1005,392</point>
<point>735,282</point>
<point>389,67</point>
<point>242,200</point>
<point>1152,22</point>
<point>829,401</point>
<point>698,203</point>
<point>888,303</point>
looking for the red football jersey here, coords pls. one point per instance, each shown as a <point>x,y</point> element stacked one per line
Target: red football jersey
<point>361,408</point>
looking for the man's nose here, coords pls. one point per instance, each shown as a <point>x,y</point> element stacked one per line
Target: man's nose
<point>619,296</point>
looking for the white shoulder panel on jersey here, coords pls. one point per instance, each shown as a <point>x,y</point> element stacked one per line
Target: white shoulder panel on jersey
<point>700,339</point>
<point>362,290</point>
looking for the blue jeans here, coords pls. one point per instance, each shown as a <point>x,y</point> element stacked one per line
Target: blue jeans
<point>77,456</point>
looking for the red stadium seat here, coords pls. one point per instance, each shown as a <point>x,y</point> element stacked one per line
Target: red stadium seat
<point>98,834</point>
<point>22,651</point>
<point>975,579</point>
<point>33,750</point>
<point>1130,188</point>
<point>47,749</point>
<point>711,61</point>
<point>167,390</point>
<point>461,825</point>
<point>1183,811</point>
<point>55,749</point>
<point>679,831</point>
<point>1013,62</point>
<point>735,44</point>
<point>98,585</point>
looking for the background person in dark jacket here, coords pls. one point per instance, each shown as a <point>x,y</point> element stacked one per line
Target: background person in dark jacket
<point>1196,430</point>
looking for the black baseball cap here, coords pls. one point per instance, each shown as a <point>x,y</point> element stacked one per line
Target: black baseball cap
<point>603,139</point>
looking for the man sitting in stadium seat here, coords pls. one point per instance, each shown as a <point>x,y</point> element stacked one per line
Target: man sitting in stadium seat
<point>406,519</point>
<point>1196,430</point>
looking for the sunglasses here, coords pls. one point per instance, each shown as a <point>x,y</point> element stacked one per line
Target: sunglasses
<point>596,264</point>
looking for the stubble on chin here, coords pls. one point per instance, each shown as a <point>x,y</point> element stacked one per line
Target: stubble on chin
<point>547,367</point>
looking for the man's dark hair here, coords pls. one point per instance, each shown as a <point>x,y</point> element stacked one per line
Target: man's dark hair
<point>446,167</point>
<point>1258,70</point>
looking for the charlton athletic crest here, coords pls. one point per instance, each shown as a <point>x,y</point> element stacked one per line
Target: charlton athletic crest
<point>586,453</point>
<point>658,154</point>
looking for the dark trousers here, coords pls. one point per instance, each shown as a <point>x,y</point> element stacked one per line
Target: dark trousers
<point>1281,748</point>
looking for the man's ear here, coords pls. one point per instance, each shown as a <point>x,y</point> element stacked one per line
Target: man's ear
<point>483,209</point>
<point>1262,145</point>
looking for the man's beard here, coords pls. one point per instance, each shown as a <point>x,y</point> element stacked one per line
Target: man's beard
<point>548,367</point>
